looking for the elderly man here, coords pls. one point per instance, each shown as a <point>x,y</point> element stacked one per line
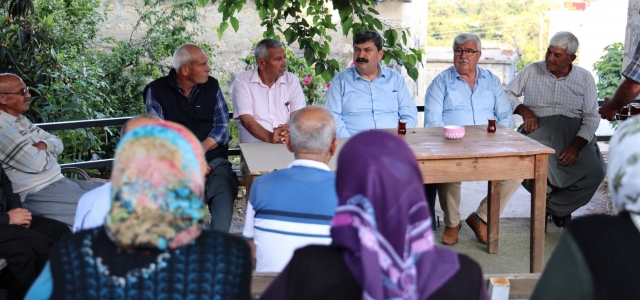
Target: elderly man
<point>264,98</point>
<point>94,206</point>
<point>368,95</point>
<point>192,98</point>
<point>25,241</point>
<point>626,92</point>
<point>291,208</point>
<point>560,111</point>
<point>29,157</point>
<point>466,94</point>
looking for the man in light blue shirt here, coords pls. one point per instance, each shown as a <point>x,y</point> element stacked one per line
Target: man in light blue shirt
<point>466,94</point>
<point>367,95</point>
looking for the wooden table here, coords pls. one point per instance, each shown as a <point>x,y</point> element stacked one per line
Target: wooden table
<point>479,156</point>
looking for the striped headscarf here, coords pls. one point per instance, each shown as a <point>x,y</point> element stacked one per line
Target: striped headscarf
<point>158,187</point>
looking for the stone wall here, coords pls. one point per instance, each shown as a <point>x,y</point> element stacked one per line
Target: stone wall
<point>235,45</point>
<point>632,36</point>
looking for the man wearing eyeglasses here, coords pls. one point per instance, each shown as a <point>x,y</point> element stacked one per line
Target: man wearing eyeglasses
<point>368,95</point>
<point>466,94</point>
<point>29,157</point>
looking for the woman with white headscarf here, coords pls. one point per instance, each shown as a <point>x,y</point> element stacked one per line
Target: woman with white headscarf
<point>597,256</point>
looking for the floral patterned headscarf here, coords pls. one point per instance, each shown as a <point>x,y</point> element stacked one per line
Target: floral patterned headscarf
<point>158,187</point>
<point>624,167</point>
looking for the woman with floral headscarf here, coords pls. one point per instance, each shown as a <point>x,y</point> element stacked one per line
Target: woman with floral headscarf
<point>382,241</point>
<point>152,245</point>
<point>597,256</point>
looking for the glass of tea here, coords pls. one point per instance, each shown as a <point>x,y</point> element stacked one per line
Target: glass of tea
<point>491,127</point>
<point>402,127</point>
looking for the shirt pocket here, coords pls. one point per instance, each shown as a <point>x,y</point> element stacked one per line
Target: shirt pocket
<point>390,102</point>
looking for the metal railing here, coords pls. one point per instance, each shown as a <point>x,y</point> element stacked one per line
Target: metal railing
<point>122,120</point>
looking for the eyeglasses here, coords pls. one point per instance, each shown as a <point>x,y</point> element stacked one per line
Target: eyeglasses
<point>466,51</point>
<point>23,92</point>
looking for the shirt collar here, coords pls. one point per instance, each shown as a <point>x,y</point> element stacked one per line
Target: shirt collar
<point>573,67</point>
<point>195,87</point>
<point>308,163</point>
<point>382,72</point>
<point>255,78</point>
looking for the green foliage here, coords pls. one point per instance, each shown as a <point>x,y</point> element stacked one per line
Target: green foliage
<point>609,70</point>
<point>74,75</point>
<point>308,23</point>
<point>495,21</point>
<point>313,87</point>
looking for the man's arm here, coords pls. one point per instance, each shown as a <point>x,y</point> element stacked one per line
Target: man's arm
<point>249,232</point>
<point>503,107</point>
<point>590,123</point>
<point>152,106</point>
<point>333,103</point>
<point>219,135</point>
<point>243,110</point>
<point>626,92</point>
<point>11,211</point>
<point>18,152</point>
<point>434,104</point>
<point>407,109</point>
<point>516,89</point>
<point>52,143</point>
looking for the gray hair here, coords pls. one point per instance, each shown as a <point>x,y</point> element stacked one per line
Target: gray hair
<point>565,40</point>
<point>465,37</point>
<point>182,56</point>
<point>312,135</point>
<point>263,46</point>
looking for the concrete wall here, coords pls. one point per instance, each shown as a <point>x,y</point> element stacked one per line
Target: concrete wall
<point>632,36</point>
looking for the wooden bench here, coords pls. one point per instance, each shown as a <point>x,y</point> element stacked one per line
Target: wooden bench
<point>499,286</point>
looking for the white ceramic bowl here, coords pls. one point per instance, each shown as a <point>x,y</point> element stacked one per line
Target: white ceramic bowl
<point>453,132</point>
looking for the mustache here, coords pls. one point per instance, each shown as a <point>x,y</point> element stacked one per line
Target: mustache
<point>463,60</point>
<point>362,59</point>
<point>550,63</point>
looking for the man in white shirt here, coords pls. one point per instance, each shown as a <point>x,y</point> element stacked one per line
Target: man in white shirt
<point>293,207</point>
<point>264,98</point>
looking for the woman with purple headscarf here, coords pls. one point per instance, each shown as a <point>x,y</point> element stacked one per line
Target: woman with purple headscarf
<point>382,241</point>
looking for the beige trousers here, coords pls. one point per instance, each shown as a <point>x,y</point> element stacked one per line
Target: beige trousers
<point>449,195</point>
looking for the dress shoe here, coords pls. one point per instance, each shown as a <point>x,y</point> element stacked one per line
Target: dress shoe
<point>450,235</point>
<point>478,227</point>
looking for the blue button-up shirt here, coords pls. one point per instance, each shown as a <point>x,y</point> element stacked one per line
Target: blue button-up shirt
<point>358,104</point>
<point>450,101</point>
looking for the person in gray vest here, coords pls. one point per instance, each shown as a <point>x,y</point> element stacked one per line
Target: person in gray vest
<point>192,98</point>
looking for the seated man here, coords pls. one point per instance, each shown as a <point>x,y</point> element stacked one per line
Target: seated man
<point>25,240</point>
<point>94,206</point>
<point>293,207</point>
<point>192,98</point>
<point>368,95</point>
<point>28,155</point>
<point>466,94</point>
<point>560,110</point>
<point>264,98</point>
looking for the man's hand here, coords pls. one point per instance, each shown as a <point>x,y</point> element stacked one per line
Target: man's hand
<point>280,134</point>
<point>530,119</point>
<point>40,145</point>
<point>569,156</point>
<point>209,144</point>
<point>607,111</point>
<point>208,171</point>
<point>19,216</point>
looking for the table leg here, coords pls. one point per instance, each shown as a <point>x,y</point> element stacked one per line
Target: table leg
<point>248,179</point>
<point>493,216</point>
<point>538,209</point>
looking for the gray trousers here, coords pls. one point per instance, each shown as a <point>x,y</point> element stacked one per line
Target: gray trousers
<point>59,200</point>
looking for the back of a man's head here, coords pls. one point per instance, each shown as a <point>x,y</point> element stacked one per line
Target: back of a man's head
<point>312,130</point>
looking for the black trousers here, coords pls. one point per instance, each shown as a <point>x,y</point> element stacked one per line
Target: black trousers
<point>220,191</point>
<point>26,251</point>
<point>430,191</point>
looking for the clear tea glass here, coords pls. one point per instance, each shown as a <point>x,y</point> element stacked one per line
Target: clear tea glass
<point>402,127</point>
<point>491,127</point>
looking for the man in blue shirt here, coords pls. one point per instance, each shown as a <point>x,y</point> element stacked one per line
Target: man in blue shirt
<point>367,95</point>
<point>466,94</point>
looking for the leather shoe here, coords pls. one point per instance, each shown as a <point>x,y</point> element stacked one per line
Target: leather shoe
<point>450,235</point>
<point>479,228</point>
<point>561,221</point>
